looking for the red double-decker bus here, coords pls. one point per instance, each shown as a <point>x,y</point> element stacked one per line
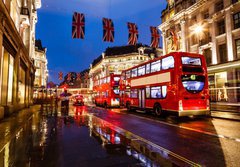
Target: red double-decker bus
<point>176,82</point>
<point>107,91</point>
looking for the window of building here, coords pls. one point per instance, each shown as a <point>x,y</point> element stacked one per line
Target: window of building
<point>10,79</point>
<point>141,70</point>
<point>208,56</point>
<point>134,72</point>
<point>167,62</point>
<point>221,27</point>
<point>223,53</point>
<point>236,20</point>
<point>205,14</point>
<point>219,6</point>
<point>235,1</point>
<point>237,43</point>
<point>155,66</point>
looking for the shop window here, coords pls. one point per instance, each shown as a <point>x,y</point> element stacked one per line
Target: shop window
<point>223,53</point>
<point>21,83</point>
<point>10,79</point>
<point>221,27</point>
<point>236,20</point>
<point>155,66</point>
<point>167,63</point>
<point>237,43</point>
<point>221,82</point>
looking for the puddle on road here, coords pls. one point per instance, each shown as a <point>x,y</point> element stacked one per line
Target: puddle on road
<point>80,140</point>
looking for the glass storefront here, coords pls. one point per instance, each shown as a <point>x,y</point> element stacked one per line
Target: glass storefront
<point>225,86</point>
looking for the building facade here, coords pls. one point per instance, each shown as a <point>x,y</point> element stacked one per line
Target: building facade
<point>116,59</point>
<point>212,28</point>
<point>40,62</point>
<point>17,38</point>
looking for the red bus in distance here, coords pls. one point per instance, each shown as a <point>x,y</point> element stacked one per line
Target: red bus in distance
<point>175,83</point>
<point>107,91</point>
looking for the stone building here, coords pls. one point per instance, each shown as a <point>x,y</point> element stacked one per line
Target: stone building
<point>17,38</point>
<point>212,28</point>
<point>116,59</point>
<point>40,62</point>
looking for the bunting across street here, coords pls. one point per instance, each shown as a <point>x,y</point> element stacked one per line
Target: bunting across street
<point>155,37</point>
<point>69,76</point>
<point>108,30</point>
<point>78,76</point>
<point>132,33</point>
<point>78,25</point>
<point>78,30</point>
<point>60,75</point>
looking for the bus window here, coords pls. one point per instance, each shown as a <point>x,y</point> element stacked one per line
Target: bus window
<point>134,72</point>
<point>156,92</point>
<point>193,83</point>
<point>116,90</point>
<point>134,93</point>
<point>147,68</point>
<point>147,92</point>
<point>167,62</point>
<point>191,61</point>
<point>164,91</point>
<point>141,70</point>
<point>128,74</point>
<point>155,66</point>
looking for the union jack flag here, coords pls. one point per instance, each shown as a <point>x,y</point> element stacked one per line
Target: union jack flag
<point>69,76</point>
<point>78,25</point>
<point>108,30</point>
<point>155,37</point>
<point>60,75</point>
<point>78,76</point>
<point>132,33</point>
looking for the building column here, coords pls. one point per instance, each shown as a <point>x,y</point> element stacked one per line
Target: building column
<point>1,55</point>
<point>164,42</point>
<point>228,20</point>
<point>183,35</point>
<point>214,43</point>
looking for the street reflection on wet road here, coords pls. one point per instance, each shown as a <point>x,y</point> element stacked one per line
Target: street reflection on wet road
<point>77,139</point>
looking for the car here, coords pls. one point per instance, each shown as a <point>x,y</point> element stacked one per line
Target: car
<point>78,101</point>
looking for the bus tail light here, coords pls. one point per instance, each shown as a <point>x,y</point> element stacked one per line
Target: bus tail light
<point>208,104</point>
<point>180,105</point>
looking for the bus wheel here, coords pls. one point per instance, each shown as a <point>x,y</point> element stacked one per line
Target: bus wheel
<point>158,110</point>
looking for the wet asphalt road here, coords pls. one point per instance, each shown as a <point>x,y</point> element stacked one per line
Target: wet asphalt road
<point>206,141</point>
<point>51,140</point>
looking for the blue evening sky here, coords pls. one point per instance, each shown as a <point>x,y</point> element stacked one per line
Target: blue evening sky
<point>54,28</point>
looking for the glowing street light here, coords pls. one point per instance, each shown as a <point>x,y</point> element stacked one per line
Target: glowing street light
<point>198,30</point>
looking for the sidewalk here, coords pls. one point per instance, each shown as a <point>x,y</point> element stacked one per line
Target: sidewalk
<point>10,126</point>
<point>223,110</point>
